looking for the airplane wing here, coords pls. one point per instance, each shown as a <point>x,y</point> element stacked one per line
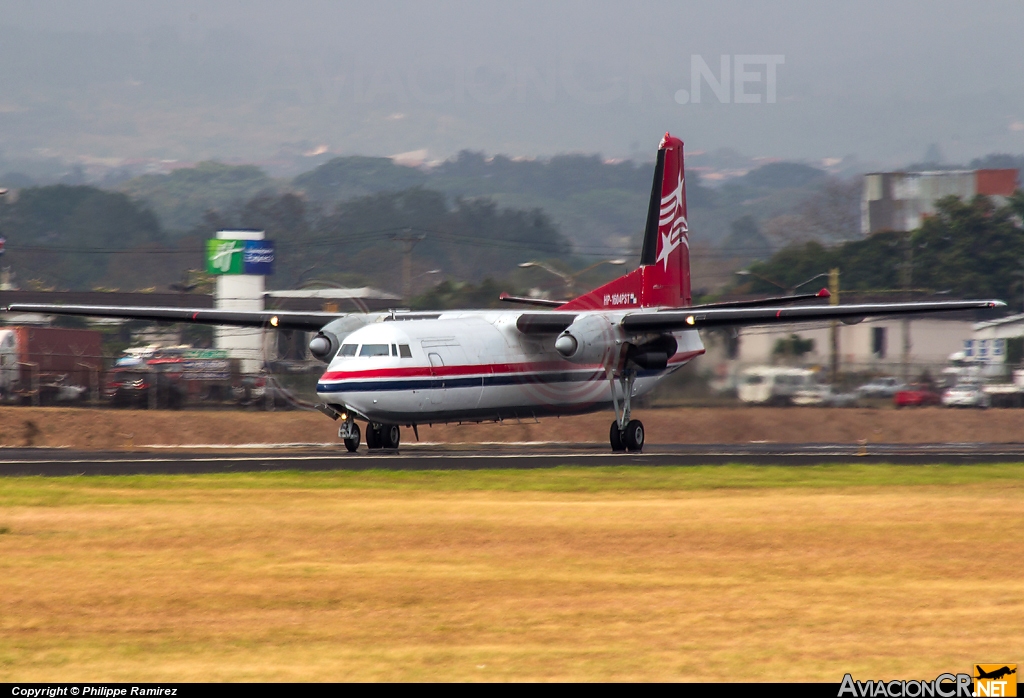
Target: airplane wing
<point>279,319</point>
<point>697,318</point>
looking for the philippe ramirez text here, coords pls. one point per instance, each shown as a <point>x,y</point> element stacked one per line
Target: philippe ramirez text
<point>104,691</point>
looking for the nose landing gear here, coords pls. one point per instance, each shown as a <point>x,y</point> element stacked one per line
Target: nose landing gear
<point>349,433</point>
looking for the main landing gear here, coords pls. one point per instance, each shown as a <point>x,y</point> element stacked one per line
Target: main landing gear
<point>383,436</point>
<point>378,436</point>
<point>625,434</point>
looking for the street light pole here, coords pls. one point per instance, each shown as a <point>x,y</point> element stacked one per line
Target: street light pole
<point>408,238</point>
<point>570,279</point>
<point>787,289</point>
<point>833,289</point>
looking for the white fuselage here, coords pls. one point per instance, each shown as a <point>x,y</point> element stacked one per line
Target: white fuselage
<point>469,366</point>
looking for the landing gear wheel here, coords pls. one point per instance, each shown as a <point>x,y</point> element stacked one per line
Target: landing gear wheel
<point>634,435</point>
<point>373,437</point>
<point>615,436</point>
<point>392,435</point>
<point>352,442</point>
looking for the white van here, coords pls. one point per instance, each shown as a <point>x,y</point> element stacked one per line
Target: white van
<point>770,385</point>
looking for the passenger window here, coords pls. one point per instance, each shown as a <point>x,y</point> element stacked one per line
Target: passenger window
<point>373,350</point>
<point>348,350</point>
<point>405,351</point>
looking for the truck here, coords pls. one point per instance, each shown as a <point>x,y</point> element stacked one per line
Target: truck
<point>171,377</point>
<point>1006,394</point>
<point>773,385</point>
<point>49,365</point>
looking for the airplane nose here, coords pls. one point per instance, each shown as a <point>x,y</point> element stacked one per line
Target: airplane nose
<point>566,345</point>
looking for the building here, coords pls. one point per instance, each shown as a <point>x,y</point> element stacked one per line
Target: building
<point>238,288</point>
<point>871,346</point>
<point>902,200</point>
<point>1009,327</point>
<point>867,346</point>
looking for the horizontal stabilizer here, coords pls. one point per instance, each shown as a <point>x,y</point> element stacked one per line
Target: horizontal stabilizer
<point>761,302</point>
<point>542,302</point>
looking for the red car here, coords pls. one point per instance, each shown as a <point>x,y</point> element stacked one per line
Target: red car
<point>917,396</point>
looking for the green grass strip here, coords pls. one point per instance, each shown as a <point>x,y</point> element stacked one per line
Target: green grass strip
<point>57,491</point>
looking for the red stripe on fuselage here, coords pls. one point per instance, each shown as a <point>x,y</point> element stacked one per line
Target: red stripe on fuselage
<point>491,369</point>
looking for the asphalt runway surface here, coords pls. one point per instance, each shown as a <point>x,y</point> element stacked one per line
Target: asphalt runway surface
<point>62,462</point>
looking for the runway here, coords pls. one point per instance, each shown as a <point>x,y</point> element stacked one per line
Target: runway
<point>64,462</point>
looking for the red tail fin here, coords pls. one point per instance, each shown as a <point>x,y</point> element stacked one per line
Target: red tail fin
<point>663,279</point>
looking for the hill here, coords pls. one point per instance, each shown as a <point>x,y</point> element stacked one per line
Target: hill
<point>182,197</point>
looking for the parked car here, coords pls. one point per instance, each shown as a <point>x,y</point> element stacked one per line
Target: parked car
<point>967,394</point>
<point>823,395</point>
<point>257,391</point>
<point>919,395</point>
<point>882,387</point>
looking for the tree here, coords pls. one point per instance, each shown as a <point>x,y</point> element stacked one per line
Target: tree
<point>70,236</point>
<point>182,197</point>
<point>967,249</point>
<point>346,178</point>
<point>746,241</point>
<point>792,346</point>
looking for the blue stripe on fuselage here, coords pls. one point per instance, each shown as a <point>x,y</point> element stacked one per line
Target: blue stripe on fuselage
<point>438,383</point>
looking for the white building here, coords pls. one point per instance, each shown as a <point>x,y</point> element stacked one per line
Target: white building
<point>875,346</point>
<point>1008,327</point>
<point>902,200</point>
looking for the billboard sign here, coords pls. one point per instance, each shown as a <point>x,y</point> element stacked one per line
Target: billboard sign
<point>240,257</point>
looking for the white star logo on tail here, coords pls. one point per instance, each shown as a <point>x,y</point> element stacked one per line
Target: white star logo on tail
<point>671,215</point>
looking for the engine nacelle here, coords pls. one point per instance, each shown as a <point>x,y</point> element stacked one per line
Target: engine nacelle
<point>654,354</point>
<point>326,343</point>
<point>592,339</point>
<point>324,346</point>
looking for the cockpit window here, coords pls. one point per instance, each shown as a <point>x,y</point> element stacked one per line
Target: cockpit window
<point>406,353</point>
<point>374,350</point>
<point>348,350</point>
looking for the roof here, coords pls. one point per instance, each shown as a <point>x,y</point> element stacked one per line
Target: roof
<point>1008,320</point>
<point>333,293</point>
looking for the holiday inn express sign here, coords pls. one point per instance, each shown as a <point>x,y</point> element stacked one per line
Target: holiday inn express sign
<point>240,257</point>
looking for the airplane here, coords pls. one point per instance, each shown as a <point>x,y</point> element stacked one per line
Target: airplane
<point>591,353</point>
<point>995,674</point>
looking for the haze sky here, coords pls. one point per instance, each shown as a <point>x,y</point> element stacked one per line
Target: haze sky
<point>107,80</point>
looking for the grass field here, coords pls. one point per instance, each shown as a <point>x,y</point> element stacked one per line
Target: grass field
<point>728,572</point>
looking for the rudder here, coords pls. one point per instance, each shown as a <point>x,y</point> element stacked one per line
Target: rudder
<point>663,278</point>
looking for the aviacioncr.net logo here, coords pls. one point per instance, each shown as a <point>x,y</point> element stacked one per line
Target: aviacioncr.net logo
<point>942,686</point>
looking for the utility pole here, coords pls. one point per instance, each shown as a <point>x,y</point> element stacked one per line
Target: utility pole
<point>833,288</point>
<point>408,238</point>
<point>906,277</point>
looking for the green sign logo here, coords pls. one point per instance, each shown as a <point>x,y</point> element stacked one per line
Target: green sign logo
<point>224,256</point>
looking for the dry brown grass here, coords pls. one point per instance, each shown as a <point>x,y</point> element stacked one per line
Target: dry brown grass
<point>117,429</point>
<point>212,578</point>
